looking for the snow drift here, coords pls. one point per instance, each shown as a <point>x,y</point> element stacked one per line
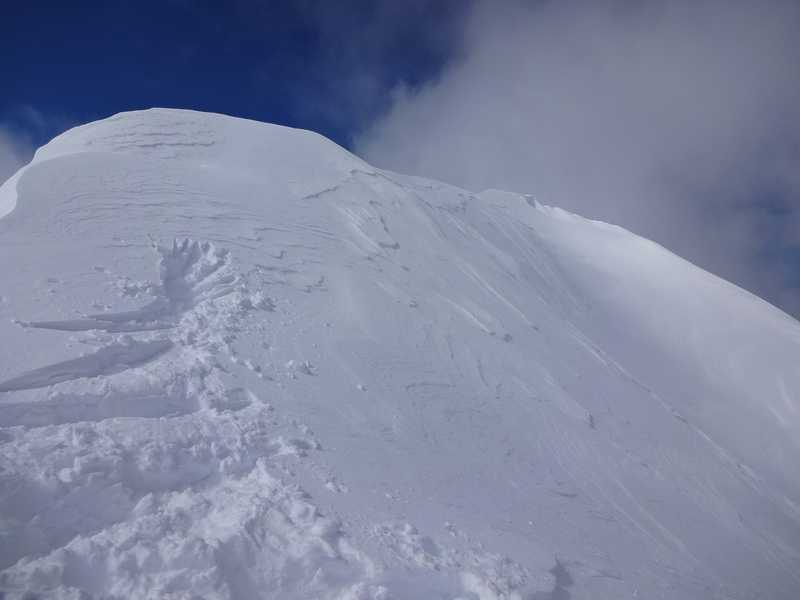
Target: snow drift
<point>238,362</point>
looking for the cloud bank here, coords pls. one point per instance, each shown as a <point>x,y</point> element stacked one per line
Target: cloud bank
<point>677,119</point>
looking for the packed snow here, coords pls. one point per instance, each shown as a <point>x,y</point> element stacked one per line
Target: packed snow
<point>237,362</point>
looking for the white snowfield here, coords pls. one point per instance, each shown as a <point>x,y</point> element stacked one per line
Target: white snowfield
<point>237,362</point>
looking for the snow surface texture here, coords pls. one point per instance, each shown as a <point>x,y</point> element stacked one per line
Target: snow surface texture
<point>238,362</point>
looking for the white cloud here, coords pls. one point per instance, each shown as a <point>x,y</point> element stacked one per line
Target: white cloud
<point>20,127</point>
<point>15,151</point>
<point>678,119</point>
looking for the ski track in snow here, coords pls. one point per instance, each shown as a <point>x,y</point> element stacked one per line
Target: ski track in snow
<point>208,466</point>
<point>208,463</point>
<point>349,384</point>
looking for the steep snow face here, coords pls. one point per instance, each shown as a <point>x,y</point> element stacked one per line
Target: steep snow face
<point>238,362</point>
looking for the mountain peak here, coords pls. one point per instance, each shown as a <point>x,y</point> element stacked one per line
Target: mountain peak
<point>238,362</point>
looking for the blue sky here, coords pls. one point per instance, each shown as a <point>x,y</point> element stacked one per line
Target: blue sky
<point>326,66</point>
<point>678,119</point>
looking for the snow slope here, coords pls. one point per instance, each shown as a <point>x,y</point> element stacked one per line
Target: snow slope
<point>238,362</point>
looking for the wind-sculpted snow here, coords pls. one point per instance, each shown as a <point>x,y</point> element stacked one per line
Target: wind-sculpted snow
<point>237,362</point>
<point>106,361</point>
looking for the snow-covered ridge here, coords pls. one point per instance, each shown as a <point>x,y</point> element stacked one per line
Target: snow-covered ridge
<point>239,362</point>
<point>200,137</point>
<point>207,140</point>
